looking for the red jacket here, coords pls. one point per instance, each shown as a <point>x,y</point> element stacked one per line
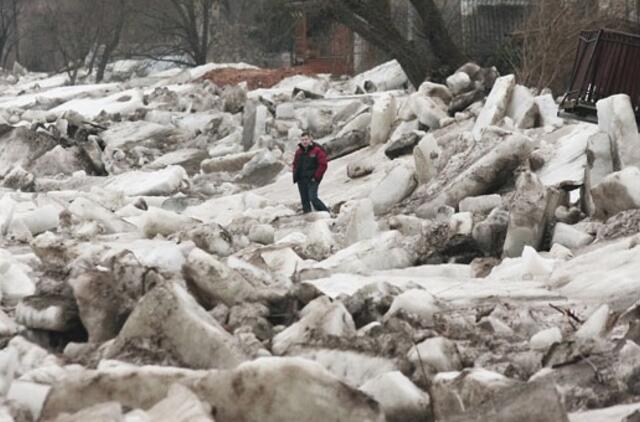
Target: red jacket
<point>309,163</point>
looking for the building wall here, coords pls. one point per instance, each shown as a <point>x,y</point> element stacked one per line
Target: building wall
<point>366,56</point>
<point>323,45</point>
<point>487,24</point>
<point>451,13</point>
<point>479,27</point>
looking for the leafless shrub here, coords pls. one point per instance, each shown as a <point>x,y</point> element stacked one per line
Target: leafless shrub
<point>543,50</point>
<point>10,11</point>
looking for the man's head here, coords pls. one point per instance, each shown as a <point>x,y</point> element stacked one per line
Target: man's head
<point>306,139</point>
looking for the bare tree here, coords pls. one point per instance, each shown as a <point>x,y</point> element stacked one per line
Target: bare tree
<point>10,11</point>
<point>274,25</point>
<point>74,26</point>
<point>433,49</point>
<point>180,28</point>
<point>544,47</point>
<point>83,29</point>
<point>115,17</point>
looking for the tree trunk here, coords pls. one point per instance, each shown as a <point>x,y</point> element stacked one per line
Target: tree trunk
<point>110,47</point>
<point>118,26</point>
<point>73,74</point>
<point>435,30</point>
<point>3,56</point>
<point>94,56</point>
<point>376,26</point>
<point>416,66</point>
<point>373,21</point>
<point>5,32</point>
<point>102,64</point>
<point>16,33</point>
<point>207,5</point>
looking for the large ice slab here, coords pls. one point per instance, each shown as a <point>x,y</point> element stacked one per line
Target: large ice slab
<point>616,118</point>
<point>153,183</point>
<point>604,275</point>
<point>453,289</point>
<point>568,157</point>
<point>120,102</point>
<point>496,104</point>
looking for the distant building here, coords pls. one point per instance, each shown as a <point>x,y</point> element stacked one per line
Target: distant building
<point>486,24</point>
<point>478,26</point>
<point>323,45</point>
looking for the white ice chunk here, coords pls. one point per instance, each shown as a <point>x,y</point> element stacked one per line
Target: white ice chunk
<point>156,183</point>
<point>496,105</point>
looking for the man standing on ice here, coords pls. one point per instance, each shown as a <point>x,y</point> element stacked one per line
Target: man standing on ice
<point>309,165</point>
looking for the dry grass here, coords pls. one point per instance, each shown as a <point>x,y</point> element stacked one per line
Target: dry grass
<point>255,78</point>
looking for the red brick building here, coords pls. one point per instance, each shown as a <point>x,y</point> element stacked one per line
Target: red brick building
<point>323,45</point>
<point>329,47</point>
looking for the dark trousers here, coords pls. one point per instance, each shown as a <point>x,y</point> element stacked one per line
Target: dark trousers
<point>309,196</point>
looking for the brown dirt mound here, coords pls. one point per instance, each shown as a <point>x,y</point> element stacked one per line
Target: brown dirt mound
<point>255,78</point>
